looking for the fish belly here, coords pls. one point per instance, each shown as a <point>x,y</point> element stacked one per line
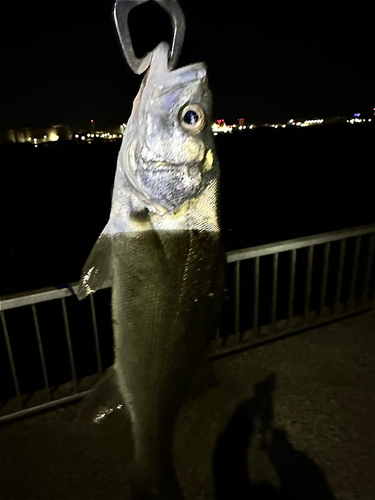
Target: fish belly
<point>162,306</point>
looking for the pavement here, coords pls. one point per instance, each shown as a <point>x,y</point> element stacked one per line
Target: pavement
<point>293,419</point>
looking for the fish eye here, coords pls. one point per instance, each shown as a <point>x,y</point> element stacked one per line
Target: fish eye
<point>192,118</point>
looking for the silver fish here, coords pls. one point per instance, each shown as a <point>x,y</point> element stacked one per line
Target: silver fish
<point>161,250</point>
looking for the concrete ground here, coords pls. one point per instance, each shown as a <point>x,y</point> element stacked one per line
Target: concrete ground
<point>292,419</point>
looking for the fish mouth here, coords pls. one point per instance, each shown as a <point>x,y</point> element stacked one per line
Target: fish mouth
<point>164,184</point>
<point>163,165</point>
<point>183,177</point>
<point>170,185</point>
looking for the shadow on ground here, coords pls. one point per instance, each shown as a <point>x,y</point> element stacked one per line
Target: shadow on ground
<point>299,476</point>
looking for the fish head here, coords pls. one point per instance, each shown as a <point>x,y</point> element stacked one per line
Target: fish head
<point>168,153</point>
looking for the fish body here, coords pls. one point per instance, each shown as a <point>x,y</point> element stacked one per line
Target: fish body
<point>161,250</point>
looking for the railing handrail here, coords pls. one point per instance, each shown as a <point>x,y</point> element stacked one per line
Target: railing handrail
<point>295,244</point>
<point>52,293</point>
<point>35,296</point>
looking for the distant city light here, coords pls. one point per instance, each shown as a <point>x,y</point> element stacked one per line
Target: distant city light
<point>221,126</point>
<point>53,137</point>
<point>357,120</point>
<point>307,123</point>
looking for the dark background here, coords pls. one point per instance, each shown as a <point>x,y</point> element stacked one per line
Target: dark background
<point>61,61</point>
<point>276,184</point>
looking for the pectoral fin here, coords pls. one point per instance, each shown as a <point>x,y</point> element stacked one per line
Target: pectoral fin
<point>96,272</point>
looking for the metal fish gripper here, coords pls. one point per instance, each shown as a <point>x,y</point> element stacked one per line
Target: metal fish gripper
<point>121,13</point>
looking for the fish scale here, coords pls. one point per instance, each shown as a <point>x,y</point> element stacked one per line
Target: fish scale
<point>161,249</point>
<point>164,339</point>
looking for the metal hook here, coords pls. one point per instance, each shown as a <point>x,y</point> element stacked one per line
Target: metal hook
<point>121,12</point>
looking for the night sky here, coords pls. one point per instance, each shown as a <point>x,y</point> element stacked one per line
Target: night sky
<point>61,62</point>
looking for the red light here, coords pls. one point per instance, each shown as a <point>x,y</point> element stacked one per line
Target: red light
<point>92,121</point>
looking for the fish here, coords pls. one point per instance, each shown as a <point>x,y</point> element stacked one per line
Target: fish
<point>161,250</point>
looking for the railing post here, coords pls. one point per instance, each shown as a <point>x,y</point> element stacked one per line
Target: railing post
<point>325,279</point>
<point>306,314</point>
<point>11,360</point>
<point>41,351</point>
<point>96,337</point>
<point>340,273</point>
<point>69,342</point>
<point>370,261</point>
<point>237,302</point>
<point>274,289</point>
<point>355,270</point>
<point>292,279</point>
<point>256,295</point>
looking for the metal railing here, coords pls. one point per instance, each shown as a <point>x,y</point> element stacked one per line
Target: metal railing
<point>274,290</point>
<point>343,282</point>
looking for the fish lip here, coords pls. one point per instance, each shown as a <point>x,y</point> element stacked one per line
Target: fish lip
<point>166,166</point>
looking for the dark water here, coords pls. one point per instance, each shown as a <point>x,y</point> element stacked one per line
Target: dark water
<point>276,185</point>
